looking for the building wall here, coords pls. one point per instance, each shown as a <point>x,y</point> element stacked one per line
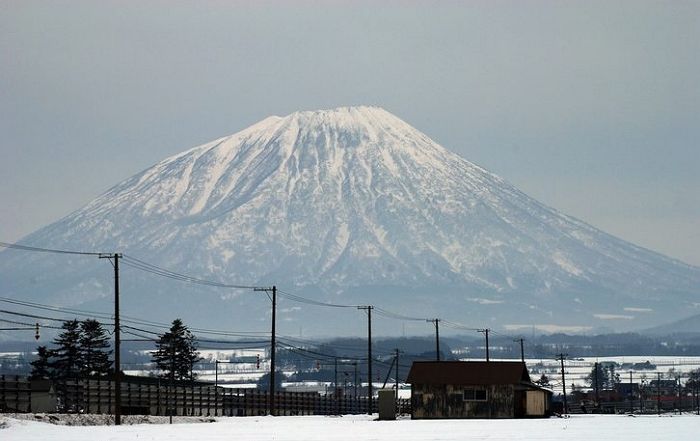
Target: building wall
<point>536,403</point>
<point>447,401</point>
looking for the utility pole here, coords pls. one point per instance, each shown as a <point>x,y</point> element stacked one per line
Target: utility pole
<point>658,393</point>
<point>697,397</point>
<point>595,376</point>
<point>522,348</point>
<point>436,321</point>
<point>273,350</point>
<point>355,381</point>
<point>486,333</point>
<point>397,375</point>
<point>117,340</point>
<point>369,309</point>
<point>335,373</point>
<point>631,395</point>
<point>172,380</point>
<point>563,382</point>
<point>272,345</point>
<point>335,387</point>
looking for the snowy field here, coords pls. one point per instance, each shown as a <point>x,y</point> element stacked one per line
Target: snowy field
<point>578,427</point>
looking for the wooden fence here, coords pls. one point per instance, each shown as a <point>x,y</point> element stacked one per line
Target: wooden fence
<point>149,396</point>
<point>15,394</point>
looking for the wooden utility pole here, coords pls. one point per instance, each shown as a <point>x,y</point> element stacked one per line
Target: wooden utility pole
<point>631,395</point>
<point>436,321</point>
<point>658,393</point>
<point>273,350</point>
<point>272,345</point>
<point>522,348</point>
<point>397,374</point>
<point>369,309</point>
<point>595,376</point>
<point>680,400</point>
<point>172,381</point>
<point>354,381</point>
<point>335,386</point>
<point>117,340</point>
<point>486,333</point>
<point>563,382</point>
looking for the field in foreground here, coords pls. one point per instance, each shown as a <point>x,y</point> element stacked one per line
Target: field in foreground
<point>579,427</point>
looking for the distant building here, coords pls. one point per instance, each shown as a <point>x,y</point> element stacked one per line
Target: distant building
<point>475,389</point>
<point>627,390</point>
<point>663,387</point>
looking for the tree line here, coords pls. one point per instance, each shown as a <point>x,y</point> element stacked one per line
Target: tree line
<point>82,350</point>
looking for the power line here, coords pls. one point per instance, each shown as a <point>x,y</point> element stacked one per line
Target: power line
<point>458,326</point>
<point>15,246</point>
<point>142,265</point>
<point>56,308</point>
<point>251,343</point>
<point>29,324</point>
<point>319,354</point>
<point>154,269</point>
<point>389,314</point>
<point>300,299</point>
<point>127,319</point>
<point>147,267</point>
<point>34,316</point>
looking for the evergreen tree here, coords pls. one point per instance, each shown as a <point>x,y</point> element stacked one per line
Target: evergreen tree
<point>41,366</point>
<point>176,352</point>
<point>67,355</point>
<point>607,377</point>
<point>94,349</point>
<point>544,381</point>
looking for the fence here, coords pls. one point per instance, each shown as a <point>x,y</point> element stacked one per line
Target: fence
<point>149,396</point>
<point>15,394</point>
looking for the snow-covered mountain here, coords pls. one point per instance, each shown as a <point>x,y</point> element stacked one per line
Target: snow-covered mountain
<point>350,205</point>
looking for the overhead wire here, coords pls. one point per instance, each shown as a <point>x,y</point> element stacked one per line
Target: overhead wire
<point>389,314</point>
<point>142,265</point>
<point>458,326</point>
<point>154,269</point>
<point>34,316</point>
<point>56,308</point>
<point>125,318</point>
<point>28,324</point>
<point>320,354</point>
<point>16,246</point>
<point>300,299</point>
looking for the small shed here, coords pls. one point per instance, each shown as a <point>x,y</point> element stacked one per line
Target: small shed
<point>475,389</point>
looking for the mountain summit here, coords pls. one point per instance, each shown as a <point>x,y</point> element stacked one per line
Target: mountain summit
<point>352,205</point>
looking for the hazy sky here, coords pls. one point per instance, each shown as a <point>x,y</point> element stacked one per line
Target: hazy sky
<point>591,107</point>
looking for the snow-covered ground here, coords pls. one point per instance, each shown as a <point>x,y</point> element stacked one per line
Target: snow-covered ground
<point>579,427</point>
<point>578,369</point>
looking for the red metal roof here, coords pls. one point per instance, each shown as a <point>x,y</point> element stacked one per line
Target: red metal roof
<point>468,372</point>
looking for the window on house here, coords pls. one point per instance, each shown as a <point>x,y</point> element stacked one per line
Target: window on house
<point>473,394</point>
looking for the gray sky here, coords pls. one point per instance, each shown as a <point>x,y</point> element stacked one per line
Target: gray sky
<point>591,107</point>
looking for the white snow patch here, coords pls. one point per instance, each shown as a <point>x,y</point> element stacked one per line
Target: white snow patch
<point>564,263</point>
<point>481,301</point>
<point>549,328</point>
<point>613,316</point>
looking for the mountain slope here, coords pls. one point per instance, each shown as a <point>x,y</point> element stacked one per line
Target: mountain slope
<point>354,205</point>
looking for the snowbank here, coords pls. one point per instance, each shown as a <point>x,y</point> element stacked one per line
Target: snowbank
<point>318,428</point>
